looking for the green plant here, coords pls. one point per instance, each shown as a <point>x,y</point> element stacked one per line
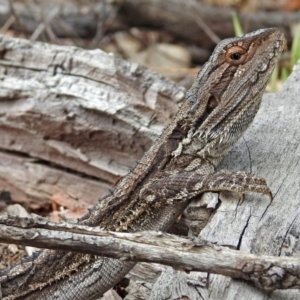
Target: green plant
<point>295,52</point>
<point>238,30</point>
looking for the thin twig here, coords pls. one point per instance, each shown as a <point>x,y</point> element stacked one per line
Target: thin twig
<point>191,9</point>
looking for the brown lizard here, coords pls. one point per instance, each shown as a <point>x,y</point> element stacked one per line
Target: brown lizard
<point>179,167</point>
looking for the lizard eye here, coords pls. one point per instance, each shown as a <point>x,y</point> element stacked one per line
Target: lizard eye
<point>235,56</point>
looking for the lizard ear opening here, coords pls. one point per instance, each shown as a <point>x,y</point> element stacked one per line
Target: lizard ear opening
<point>212,103</point>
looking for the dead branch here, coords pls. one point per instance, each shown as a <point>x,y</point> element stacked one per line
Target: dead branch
<point>265,272</point>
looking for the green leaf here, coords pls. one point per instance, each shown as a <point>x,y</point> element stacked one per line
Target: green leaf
<point>295,53</point>
<point>273,79</point>
<point>284,74</point>
<point>238,30</point>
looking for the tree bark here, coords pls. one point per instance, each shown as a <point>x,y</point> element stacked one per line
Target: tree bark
<point>72,118</point>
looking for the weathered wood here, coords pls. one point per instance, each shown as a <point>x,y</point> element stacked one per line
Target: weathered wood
<point>66,110</point>
<point>32,183</point>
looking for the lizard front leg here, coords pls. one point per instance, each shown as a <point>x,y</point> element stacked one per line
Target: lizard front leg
<point>184,186</point>
<point>187,186</point>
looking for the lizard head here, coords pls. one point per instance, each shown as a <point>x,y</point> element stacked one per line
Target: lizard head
<point>227,93</point>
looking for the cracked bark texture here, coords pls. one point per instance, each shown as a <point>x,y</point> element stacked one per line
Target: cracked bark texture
<point>95,88</point>
<point>73,121</point>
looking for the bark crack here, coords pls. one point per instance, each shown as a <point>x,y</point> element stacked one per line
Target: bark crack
<point>50,164</point>
<point>249,155</point>
<point>243,232</point>
<point>286,234</point>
